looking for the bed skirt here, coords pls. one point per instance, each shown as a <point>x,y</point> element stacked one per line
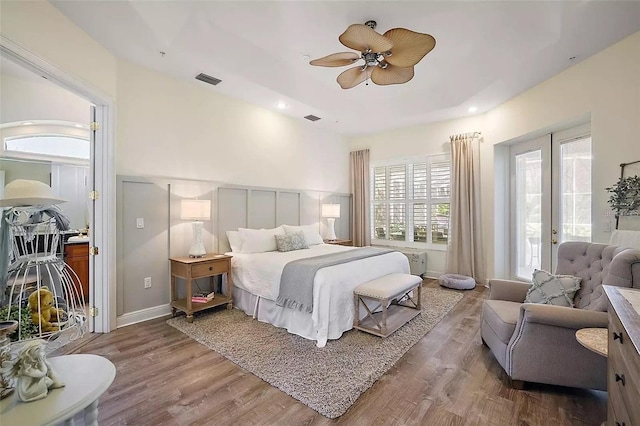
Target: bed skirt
<point>294,321</point>
<point>265,310</point>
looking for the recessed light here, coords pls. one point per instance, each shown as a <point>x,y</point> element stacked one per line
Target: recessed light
<point>27,123</point>
<point>473,109</point>
<point>281,105</point>
<point>79,126</point>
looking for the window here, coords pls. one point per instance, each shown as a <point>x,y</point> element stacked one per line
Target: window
<point>48,146</point>
<point>410,201</point>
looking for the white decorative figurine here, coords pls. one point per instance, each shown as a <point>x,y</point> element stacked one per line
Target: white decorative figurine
<point>33,372</point>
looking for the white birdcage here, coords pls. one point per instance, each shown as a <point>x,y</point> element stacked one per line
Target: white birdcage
<point>35,267</point>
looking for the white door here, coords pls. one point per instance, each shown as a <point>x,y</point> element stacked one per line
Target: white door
<point>550,198</point>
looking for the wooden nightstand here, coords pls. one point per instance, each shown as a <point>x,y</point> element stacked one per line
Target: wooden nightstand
<point>191,268</point>
<point>339,242</point>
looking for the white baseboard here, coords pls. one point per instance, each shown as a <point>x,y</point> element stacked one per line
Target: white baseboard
<point>143,315</point>
<point>432,274</point>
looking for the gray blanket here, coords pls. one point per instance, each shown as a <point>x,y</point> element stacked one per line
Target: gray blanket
<point>296,283</point>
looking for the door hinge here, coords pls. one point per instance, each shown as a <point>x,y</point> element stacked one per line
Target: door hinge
<point>94,195</point>
<point>94,126</point>
<point>93,251</point>
<point>93,311</point>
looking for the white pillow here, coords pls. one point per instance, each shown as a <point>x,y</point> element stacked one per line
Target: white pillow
<point>259,240</point>
<point>235,241</point>
<point>311,234</point>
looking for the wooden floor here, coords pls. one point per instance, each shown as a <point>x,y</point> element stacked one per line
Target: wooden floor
<point>447,378</point>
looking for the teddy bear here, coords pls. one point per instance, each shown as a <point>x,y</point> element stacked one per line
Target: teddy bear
<point>43,311</point>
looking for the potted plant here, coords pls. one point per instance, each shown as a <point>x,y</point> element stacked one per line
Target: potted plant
<point>625,196</point>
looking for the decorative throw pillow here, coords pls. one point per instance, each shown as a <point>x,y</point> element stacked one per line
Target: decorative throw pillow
<point>552,289</point>
<point>290,242</point>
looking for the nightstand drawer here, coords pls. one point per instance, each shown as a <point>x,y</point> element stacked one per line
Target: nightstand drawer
<point>207,269</point>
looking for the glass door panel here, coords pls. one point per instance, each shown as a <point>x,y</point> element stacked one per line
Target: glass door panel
<point>575,176</point>
<point>528,212</point>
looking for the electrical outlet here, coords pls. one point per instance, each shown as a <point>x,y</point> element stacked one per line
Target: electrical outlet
<point>607,226</point>
<point>140,222</point>
<point>147,282</point>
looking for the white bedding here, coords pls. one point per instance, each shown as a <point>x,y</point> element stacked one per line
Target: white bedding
<point>333,311</point>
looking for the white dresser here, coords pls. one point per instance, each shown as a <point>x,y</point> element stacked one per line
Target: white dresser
<point>623,370</point>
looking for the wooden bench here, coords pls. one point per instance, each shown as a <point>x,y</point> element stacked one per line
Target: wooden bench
<point>396,295</point>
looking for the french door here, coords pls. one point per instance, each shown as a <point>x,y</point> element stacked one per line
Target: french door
<point>550,198</point>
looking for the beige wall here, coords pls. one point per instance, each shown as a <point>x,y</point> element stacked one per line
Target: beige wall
<point>605,87</point>
<point>182,129</point>
<point>41,29</point>
<point>426,139</point>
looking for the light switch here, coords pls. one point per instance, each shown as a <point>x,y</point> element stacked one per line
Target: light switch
<point>140,222</point>
<point>607,226</point>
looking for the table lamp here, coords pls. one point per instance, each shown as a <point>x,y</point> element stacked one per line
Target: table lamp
<point>331,212</point>
<point>197,211</point>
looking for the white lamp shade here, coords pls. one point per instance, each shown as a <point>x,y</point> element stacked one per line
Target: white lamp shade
<point>331,210</point>
<point>195,209</point>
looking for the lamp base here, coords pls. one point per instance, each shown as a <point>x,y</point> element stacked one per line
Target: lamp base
<point>331,221</point>
<point>197,248</point>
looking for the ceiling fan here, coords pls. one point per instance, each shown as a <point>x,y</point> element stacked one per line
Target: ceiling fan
<point>388,58</point>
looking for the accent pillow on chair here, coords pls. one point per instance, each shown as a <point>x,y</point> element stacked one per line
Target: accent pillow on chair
<point>552,289</point>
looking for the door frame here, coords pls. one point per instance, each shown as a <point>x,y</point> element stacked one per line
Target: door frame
<point>103,235</point>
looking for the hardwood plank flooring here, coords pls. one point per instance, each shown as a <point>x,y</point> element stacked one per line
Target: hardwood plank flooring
<point>447,378</point>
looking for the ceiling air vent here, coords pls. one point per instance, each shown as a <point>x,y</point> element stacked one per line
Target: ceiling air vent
<point>312,117</point>
<point>208,79</point>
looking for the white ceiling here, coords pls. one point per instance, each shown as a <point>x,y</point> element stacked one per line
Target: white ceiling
<point>486,52</point>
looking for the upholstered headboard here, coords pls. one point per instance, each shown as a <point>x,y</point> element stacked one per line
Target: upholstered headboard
<point>253,207</point>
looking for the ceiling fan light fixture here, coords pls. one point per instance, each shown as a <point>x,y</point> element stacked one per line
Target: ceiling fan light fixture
<point>388,59</point>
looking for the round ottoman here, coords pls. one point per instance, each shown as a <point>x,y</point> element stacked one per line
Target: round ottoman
<point>458,282</point>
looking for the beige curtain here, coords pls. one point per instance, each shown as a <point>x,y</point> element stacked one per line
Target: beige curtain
<point>464,251</point>
<point>359,167</point>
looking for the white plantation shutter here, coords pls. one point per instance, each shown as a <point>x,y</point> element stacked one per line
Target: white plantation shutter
<point>420,222</point>
<point>380,183</point>
<point>397,223</point>
<point>441,179</point>
<point>379,222</point>
<point>439,223</point>
<point>420,181</point>
<point>411,200</point>
<point>397,182</point>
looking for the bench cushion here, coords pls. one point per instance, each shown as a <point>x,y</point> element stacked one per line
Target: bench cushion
<point>388,286</point>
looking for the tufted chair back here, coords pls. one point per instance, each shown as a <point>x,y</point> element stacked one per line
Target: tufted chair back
<point>598,264</point>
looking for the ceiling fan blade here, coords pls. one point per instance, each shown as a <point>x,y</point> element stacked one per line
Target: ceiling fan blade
<point>409,47</point>
<point>336,59</point>
<point>391,75</point>
<point>353,76</point>
<point>361,37</point>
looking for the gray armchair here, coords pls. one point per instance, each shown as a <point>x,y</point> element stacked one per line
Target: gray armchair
<point>535,342</point>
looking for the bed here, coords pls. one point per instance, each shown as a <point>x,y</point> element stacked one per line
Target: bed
<point>256,280</point>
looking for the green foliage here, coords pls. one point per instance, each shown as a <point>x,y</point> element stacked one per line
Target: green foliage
<point>26,328</point>
<point>625,196</point>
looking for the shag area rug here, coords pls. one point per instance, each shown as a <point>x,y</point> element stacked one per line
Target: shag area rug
<point>329,379</point>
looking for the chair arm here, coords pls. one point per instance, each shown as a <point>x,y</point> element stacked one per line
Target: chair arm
<point>512,291</point>
<point>562,316</point>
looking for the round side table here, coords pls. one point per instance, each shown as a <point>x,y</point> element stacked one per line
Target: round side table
<point>86,377</point>
<point>594,339</point>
